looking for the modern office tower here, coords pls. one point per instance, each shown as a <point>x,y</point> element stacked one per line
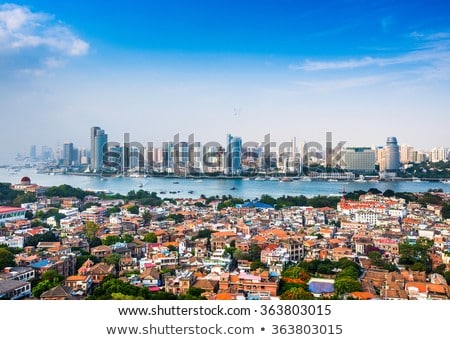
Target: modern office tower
<point>181,154</point>
<point>392,155</point>
<point>234,152</point>
<point>150,157</point>
<point>195,157</point>
<point>82,156</point>
<point>94,131</point>
<point>33,153</point>
<point>359,160</point>
<point>167,156</point>
<point>68,153</point>
<point>329,150</point>
<point>100,141</point>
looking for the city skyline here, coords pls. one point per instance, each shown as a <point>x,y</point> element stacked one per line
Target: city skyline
<point>363,71</point>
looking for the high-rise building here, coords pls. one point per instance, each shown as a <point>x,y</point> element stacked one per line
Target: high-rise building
<point>68,154</point>
<point>438,154</point>
<point>167,156</point>
<point>360,160</point>
<point>392,155</point>
<point>100,143</point>
<point>234,153</point>
<point>46,153</point>
<point>33,153</point>
<point>406,154</point>
<point>196,157</point>
<point>94,131</point>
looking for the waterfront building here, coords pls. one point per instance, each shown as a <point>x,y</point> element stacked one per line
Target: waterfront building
<point>94,131</point>
<point>234,153</point>
<point>359,160</point>
<point>68,153</point>
<point>406,154</point>
<point>389,158</point>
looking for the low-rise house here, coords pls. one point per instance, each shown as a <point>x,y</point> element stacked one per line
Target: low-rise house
<point>58,293</point>
<point>80,284</point>
<point>14,289</point>
<point>101,251</point>
<point>17,273</point>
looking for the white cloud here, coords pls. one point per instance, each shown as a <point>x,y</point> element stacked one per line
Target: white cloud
<point>23,31</point>
<point>322,86</point>
<point>431,49</point>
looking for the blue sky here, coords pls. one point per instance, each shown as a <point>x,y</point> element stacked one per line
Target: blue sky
<point>364,71</point>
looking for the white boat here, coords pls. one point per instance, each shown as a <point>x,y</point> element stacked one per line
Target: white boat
<point>305,179</point>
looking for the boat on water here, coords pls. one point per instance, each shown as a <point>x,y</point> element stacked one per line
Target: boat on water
<point>286,179</point>
<point>305,179</point>
<point>332,180</point>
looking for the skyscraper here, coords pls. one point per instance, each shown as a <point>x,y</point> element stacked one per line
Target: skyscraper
<point>68,154</point>
<point>100,141</point>
<point>33,153</point>
<point>234,153</point>
<point>392,155</point>
<point>94,131</point>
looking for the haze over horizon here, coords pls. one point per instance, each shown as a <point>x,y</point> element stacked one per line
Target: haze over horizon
<point>364,71</point>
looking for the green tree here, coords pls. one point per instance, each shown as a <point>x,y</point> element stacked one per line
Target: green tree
<point>447,276</point>
<point>440,269</point>
<point>255,252</point>
<point>195,292</point>
<point>127,238</point>
<point>417,254</point>
<point>110,240</point>
<point>256,264</point>
<point>45,237</point>
<point>91,230</point>
<point>113,210</point>
<point>42,287</point>
<point>389,193</point>
<point>133,209</point>
<point>66,191</point>
<point>120,296</point>
<point>346,285</point>
<point>297,293</point>
<point>446,211</point>
<point>147,216</point>
<point>6,258</point>
<point>150,238</point>
<point>267,199</point>
<point>178,218</point>
<point>172,248</point>
<point>95,242</point>
<point>110,286</point>
<point>52,276</point>
<point>113,259</point>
